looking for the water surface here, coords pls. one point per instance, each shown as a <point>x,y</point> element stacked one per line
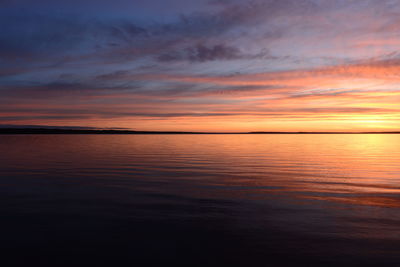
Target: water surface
<point>200,200</point>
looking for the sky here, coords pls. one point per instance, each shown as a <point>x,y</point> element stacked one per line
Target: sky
<point>201,65</point>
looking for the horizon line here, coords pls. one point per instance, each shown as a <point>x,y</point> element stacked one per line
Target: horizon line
<point>92,130</point>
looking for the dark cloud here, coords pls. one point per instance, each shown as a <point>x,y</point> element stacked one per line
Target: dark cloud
<point>124,31</point>
<point>220,2</point>
<point>33,35</point>
<point>61,90</point>
<point>202,53</point>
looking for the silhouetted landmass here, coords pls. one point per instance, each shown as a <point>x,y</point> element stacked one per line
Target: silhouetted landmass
<point>78,131</point>
<point>109,131</point>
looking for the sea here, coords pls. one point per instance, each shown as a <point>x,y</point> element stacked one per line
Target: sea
<point>200,200</point>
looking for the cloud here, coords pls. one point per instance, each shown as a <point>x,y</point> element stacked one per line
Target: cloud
<point>33,35</point>
<point>203,53</point>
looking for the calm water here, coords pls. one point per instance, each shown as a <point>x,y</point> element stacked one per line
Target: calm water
<point>200,200</point>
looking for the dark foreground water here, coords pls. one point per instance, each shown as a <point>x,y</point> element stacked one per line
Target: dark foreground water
<point>200,200</point>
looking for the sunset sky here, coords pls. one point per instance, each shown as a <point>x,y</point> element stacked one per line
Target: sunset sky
<point>201,65</point>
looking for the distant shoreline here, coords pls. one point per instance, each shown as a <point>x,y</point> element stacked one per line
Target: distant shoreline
<point>4,131</point>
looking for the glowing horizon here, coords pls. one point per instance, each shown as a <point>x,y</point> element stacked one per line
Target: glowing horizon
<point>227,66</point>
